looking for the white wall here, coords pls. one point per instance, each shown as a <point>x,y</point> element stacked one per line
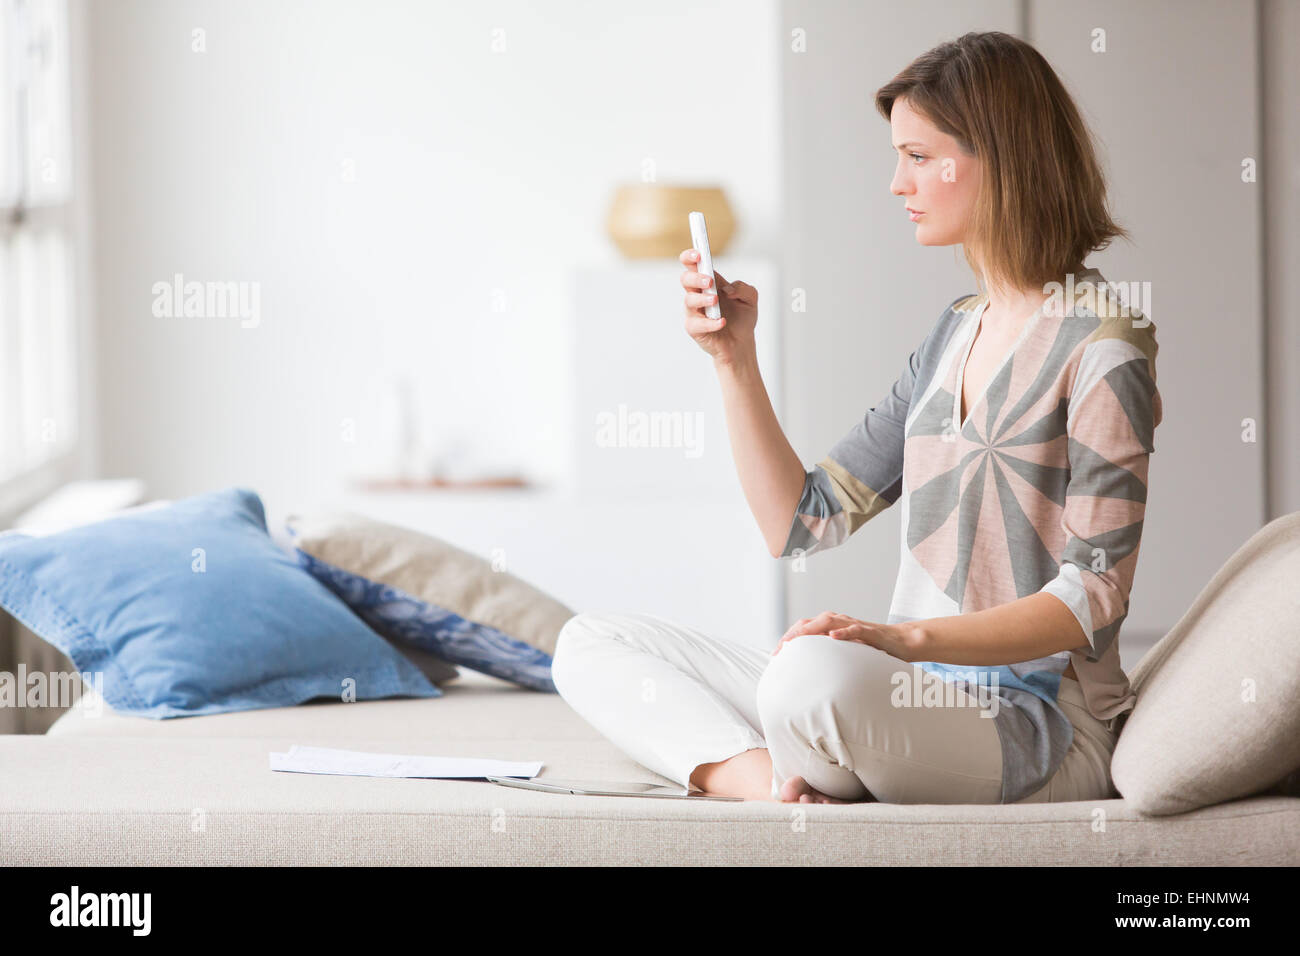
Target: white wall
<point>473,171</point>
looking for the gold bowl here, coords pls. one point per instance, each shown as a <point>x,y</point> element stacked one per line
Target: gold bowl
<point>648,220</point>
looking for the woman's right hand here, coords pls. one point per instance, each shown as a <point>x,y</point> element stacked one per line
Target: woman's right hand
<point>730,337</point>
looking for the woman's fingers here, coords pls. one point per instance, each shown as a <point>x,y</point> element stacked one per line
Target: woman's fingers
<point>699,300</point>
<point>743,291</point>
<point>697,323</point>
<point>695,280</point>
<point>692,278</point>
<point>815,625</point>
<point>738,290</point>
<point>794,628</point>
<point>823,623</point>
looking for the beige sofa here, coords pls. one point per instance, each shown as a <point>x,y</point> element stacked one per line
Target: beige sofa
<point>124,790</point>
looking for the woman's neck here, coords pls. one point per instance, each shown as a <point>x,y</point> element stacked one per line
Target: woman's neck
<point>1008,308</point>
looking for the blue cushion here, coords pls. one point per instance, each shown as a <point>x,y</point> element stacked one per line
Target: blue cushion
<point>192,609</point>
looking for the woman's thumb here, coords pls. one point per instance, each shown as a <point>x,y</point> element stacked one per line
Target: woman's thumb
<point>720,282</point>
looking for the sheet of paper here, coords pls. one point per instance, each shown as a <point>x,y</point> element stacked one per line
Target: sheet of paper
<point>358,763</point>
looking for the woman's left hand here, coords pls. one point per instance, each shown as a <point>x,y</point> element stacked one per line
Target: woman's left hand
<point>893,639</point>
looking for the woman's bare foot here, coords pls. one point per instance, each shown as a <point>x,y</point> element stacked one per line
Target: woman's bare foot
<point>747,775</point>
<point>799,790</point>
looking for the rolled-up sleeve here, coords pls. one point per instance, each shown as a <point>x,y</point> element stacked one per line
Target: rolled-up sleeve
<point>1113,412</point>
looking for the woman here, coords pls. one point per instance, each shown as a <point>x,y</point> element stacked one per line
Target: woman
<point>1017,439</point>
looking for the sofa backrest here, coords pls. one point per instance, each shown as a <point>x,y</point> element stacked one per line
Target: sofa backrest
<point>1217,714</point>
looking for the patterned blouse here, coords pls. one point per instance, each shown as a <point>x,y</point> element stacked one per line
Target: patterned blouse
<point>1042,488</point>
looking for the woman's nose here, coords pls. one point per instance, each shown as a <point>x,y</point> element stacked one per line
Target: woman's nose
<point>901,184</point>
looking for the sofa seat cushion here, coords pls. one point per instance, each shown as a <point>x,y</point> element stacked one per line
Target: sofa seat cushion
<point>198,791</point>
<point>73,800</point>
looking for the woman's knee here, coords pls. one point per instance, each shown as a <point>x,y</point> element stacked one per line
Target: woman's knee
<point>579,633</point>
<point>810,671</point>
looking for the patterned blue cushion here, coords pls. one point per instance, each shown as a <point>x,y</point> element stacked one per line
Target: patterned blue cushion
<point>402,617</point>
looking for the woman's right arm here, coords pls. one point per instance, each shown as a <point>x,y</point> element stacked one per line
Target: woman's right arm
<point>771,474</point>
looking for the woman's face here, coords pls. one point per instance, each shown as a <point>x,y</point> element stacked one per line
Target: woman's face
<point>933,176</point>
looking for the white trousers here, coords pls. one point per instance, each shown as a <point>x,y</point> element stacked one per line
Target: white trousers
<point>672,698</point>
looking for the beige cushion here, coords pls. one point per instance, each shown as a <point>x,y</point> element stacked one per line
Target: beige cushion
<point>1217,715</point>
<point>433,571</point>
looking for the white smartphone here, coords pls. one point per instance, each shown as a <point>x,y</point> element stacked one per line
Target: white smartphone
<point>700,240</point>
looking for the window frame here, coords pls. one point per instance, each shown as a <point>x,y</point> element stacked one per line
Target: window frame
<point>24,212</point>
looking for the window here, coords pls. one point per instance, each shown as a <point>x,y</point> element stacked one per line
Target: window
<point>38,344</point>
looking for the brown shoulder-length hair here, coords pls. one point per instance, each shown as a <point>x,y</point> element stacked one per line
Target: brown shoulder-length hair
<point>1041,207</point>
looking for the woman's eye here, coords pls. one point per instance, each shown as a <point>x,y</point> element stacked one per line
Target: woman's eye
<point>916,155</point>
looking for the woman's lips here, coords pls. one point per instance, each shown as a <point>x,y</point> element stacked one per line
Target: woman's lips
<point>914,215</point>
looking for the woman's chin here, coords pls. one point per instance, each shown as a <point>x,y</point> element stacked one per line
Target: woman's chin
<point>927,237</point>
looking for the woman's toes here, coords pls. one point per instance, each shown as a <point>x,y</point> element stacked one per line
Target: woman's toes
<point>794,790</point>
<point>799,790</point>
